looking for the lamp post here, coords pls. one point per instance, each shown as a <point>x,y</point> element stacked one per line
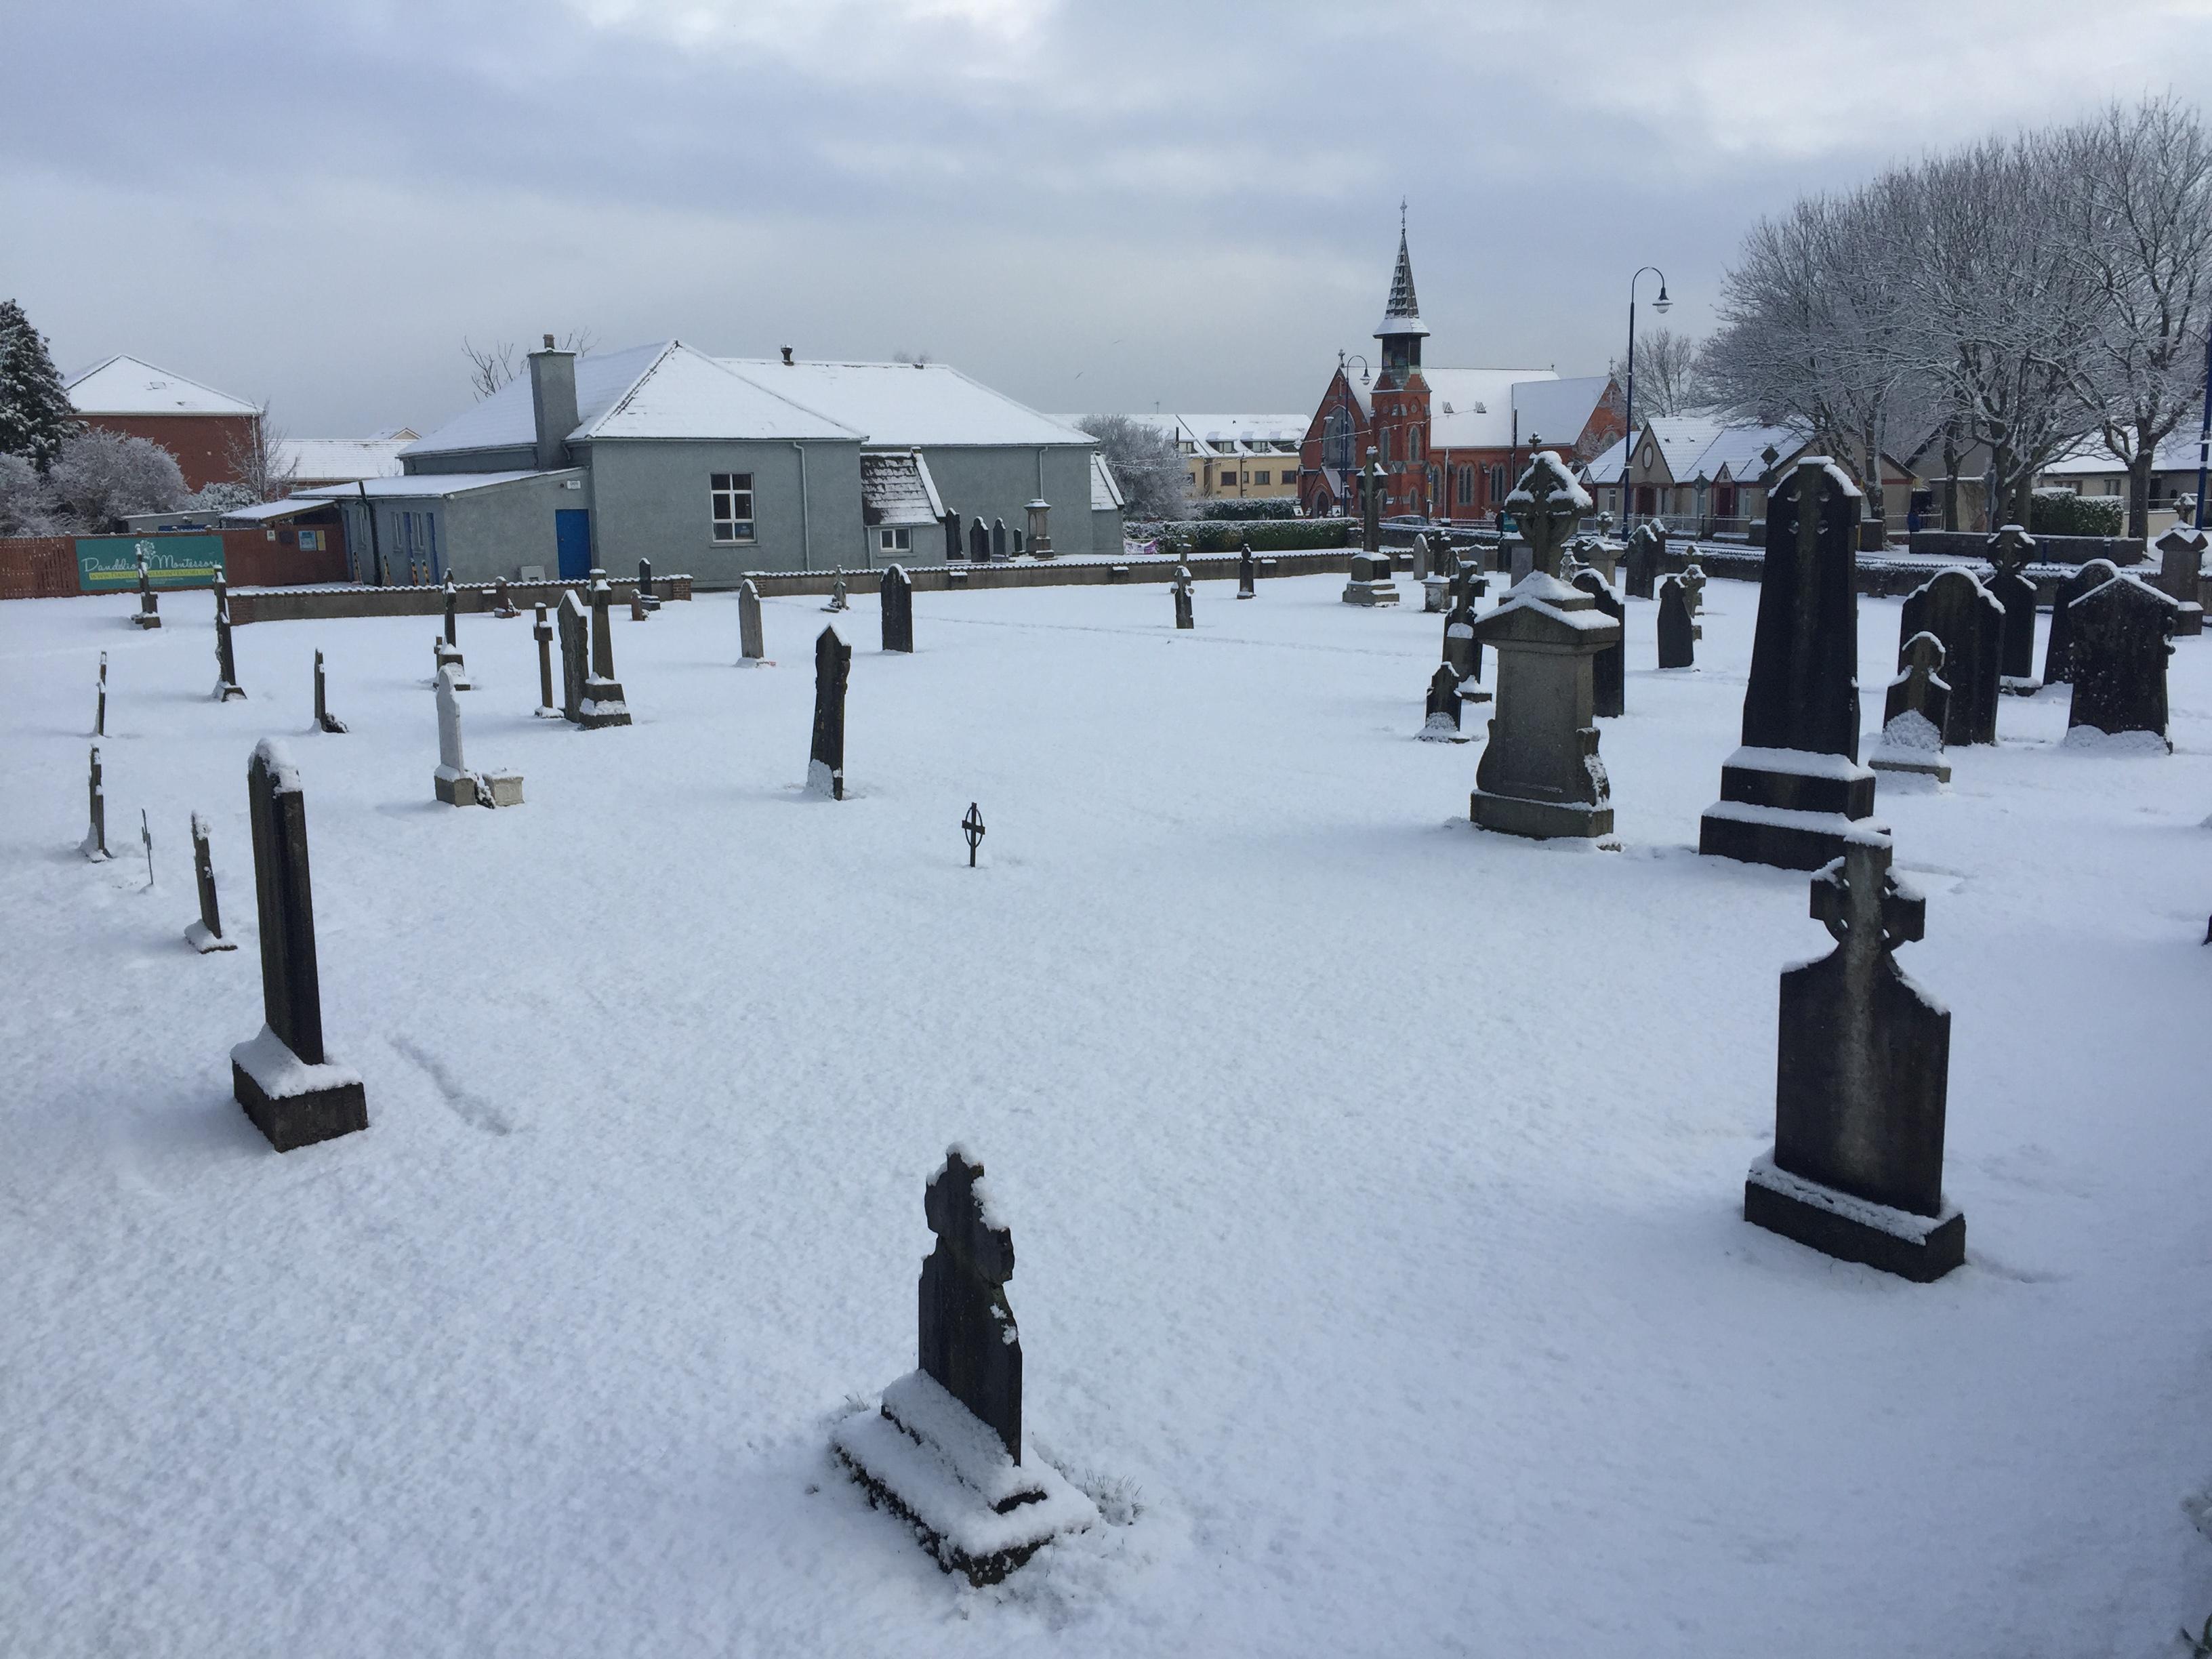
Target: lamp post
<point>2204,437</point>
<point>1628,419</point>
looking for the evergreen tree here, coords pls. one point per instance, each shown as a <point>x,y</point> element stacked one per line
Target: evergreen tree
<point>34,410</point>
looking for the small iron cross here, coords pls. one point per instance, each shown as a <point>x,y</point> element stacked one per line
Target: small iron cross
<point>146,835</point>
<point>1860,902</point>
<point>972,826</point>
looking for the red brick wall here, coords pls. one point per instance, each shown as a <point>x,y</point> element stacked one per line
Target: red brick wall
<point>38,567</point>
<point>44,566</point>
<point>199,442</point>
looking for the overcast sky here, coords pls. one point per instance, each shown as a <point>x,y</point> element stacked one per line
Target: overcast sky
<point>1087,205</point>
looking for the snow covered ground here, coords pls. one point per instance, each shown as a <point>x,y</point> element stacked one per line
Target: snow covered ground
<point>1375,1181</point>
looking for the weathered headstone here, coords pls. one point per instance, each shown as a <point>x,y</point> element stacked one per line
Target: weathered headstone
<point>1370,504</point>
<point>1181,588</point>
<point>1440,722</point>
<point>542,631</point>
<point>1646,548</point>
<point>453,596</point>
<point>1610,667</point>
<point>447,660</point>
<point>205,934</point>
<point>997,539</point>
<point>1462,651</point>
<point>575,656</point>
<point>149,614</point>
<point>896,600</point>
<point>1914,714</point>
<point>1794,790</point>
<point>1244,573</point>
<point>2009,552</point>
<point>946,1452</point>
<point>100,708</point>
<point>1547,503</point>
<point>2119,650</point>
<point>94,844</point>
<point>647,595</point>
<point>837,601</point>
<point>749,647</point>
<point>225,664</point>
<point>1677,633</point>
<point>2181,577</point>
<point>283,1078</point>
<point>2057,669</point>
<point>503,601</point>
<point>604,703</point>
<point>1040,528</point>
<point>1862,1075</point>
<point>453,783</point>
<point>979,542</point>
<point>1368,580</point>
<point>324,721</point>
<point>833,667</point>
<point>1967,620</point>
<point>1540,774</point>
<point>637,611</point>
<point>1693,594</point>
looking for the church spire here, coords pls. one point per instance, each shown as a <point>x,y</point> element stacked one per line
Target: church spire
<point>1402,315</point>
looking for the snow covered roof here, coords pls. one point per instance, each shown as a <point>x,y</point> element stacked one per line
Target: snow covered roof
<point>684,393</point>
<point>1472,408</point>
<point>2177,454</point>
<point>418,485</point>
<point>1402,314</point>
<point>506,420</point>
<point>896,489</point>
<point>1105,494</point>
<point>1225,434</point>
<point>1740,451</point>
<point>130,385</point>
<point>320,460</point>
<point>1557,410</point>
<point>1689,445</point>
<point>290,508</point>
<point>908,405</point>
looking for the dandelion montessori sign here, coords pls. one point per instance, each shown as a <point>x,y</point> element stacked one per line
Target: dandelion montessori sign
<point>109,564</point>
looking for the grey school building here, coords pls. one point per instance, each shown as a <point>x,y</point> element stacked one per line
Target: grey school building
<point>715,466</point>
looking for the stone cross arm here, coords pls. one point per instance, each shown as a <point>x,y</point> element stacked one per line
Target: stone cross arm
<point>1857,899</point>
<point>959,1214</point>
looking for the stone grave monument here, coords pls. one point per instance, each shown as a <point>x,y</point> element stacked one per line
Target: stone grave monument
<point>542,631</point>
<point>1795,789</point>
<point>2009,552</point>
<point>453,596</point>
<point>2118,654</point>
<point>149,614</point>
<point>1966,619</point>
<point>945,1452</point>
<point>94,844</point>
<point>1547,503</point>
<point>2056,667</point>
<point>2181,577</point>
<point>603,704</point>
<point>283,1079</point>
<point>645,595</point>
<point>836,593</point>
<point>895,601</point>
<point>1692,575</point>
<point>1677,633</point>
<point>1609,668</point>
<point>324,721</point>
<point>998,539</point>
<point>1040,530</point>
<point>1647,549</point>
<point>1181,588</point>
<point>1462,651</point>
<point>503,602</point>
<point>750,647</point>
<point>1914,714</point>
<point>637,611</point>
<point>226,663</point>
<point>1245,589</point>
<point>1441,721</point>
<point>1368,581</point>
<point>100,706</point>
<point>575,655</point>
<point>453,783</point>
<point>205,934</point>
<point>1863,1069</point>
<point>833,667</point>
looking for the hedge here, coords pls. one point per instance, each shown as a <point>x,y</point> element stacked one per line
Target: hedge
<point>1246,507</point>
<point>1265,535</point>
<point>2060,512</point>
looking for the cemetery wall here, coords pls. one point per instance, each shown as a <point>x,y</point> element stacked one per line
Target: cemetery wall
<point>1062,573</point>
<point>650,501</point>
<point>46,566</point>
<point>2059,550</point>
<point>38,568</point>
<point>315,603</point>
<point>1000,482</point>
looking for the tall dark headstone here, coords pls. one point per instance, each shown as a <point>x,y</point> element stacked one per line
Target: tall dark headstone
<point>603,704</point>
<point>951,527</point>
<point>1245,573</point>
<point>1965,618</point>
<point>895,594</point>
<point>997,539</point>
<point>453,598</point>
<point>1647,546</point>
<point>969,1342</point>
<point>1440,717</point>
<point>1462,651</point>
<point>1370,504</point>
<point>205,935</point>
<point>283,1078</point>
<point>2120,646</point>
<point>833,667</point>
<point>979,543</point>
<point>225,664</point>
<point>1677,633</point>
<point>100,708</point>
<point>750,646</point>
<point>1795,789</point>
<point>542,631</point>
<point>575,655</point>
<point>149,614</point>
<point>2057,667</point>
<point>647,595</point>
<point>2009,552</point>
<point>1862,1071</point>
<point>1181,588</point>
<point>324,721</point>
<point>94,844</point>
<point>1609,668</point>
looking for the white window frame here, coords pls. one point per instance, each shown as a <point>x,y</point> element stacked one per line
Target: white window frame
<point>724,494</point>
<point>891,539</point>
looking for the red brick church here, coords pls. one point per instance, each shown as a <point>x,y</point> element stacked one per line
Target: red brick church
<point>1450,441</point>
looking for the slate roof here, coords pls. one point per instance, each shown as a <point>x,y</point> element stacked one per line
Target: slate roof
<point>896,489</point>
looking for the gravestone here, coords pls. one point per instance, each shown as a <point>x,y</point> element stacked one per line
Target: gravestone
<point>1540,774</point>
<point>1677,633</point>
<point>972,828</point>
<point>1370,504</point>
<point>1969,623</point>
<point>1433,571</point>
<point>542,631</point>
<point>1862,1074</point>
<point>1368,581</point>
<point>838,594</point>
<point>452,783</point>
<point>1040,528</point>
<point>1462,651</point>
<point>1244,573</point>
<point>2057,668</point>
<point>952,547</point>
<point>945,1452</point>
<point>1647,549</point>
<point>94,844</point>
<point>646,594</point>
<point>750,647</point>
<point>575,656</point>
<point>100,708</point>
<point>205,935</point>
<point>637,611</point>
<point>1181,588</point>
<point>1914,714</point>
<point>225,664</point>
<point>324,721</point>
<point>1440,722</point>
<point>1693,594</point>
<point>1610,667</point>
<point>1547,503</point>
<point>603,704</point>
<point>149,614</point>
<point>1794,790</point>
<point>2181,577</point>
<point>997,539</point>
<point>446,659</point>
<point>896,600</point>
<point>833,667</point>
<point>453,606</point>
<point>2118,653</point>
<point>979,543</point>
<point>2009,551</point>
<point>503,601</point>
<point>283,1079</point>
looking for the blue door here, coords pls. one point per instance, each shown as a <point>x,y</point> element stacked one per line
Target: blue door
<point>572,534</point>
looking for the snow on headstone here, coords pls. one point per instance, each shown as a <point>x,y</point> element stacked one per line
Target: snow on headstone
<point>94,844</point>
<point>602,703</point>
<point>2118,655</point>
<point>1677,633</point>
<point>1245,572</point>
<point>575,655</point>
<point>205,934</point>
<point>226,663</point>
<point>1181,589</point>
<point>1647,551</point>
<point>149,614</point>
<point>1914,714</point>
<point>1969,623</point>
<point>1540,774</point>
<point>833,668</point>
<point>1547,503</point>
<point>2009,551</point>
<point>751,647</point>
<point>895,601</point>
<point>2058,665</point>
<point>2181,577</point>
<point>1440,723</point>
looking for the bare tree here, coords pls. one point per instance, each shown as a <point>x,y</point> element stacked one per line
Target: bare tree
<point>492,367</point>
<point>259,459</point>
<point>2138,213</point>
<point>1147,467</point>
<point>919,359</point>
<point>1668,374</point>
<point>100,475</point>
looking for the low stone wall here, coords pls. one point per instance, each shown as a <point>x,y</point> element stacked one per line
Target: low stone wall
<point>318,604</point>
<point>1879,577</point>
<point>2054,550</point>
<point>1056,573</point>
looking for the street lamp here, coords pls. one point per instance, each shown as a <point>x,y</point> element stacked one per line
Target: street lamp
<point>2204,437</point>
<point>1628,438</point>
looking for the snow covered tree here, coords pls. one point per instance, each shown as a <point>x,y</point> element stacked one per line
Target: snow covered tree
<point>101,475</point>
<point>1147,468</point>
<point>35,414</point>
<point>26,504</point>
<point>1668,378</point>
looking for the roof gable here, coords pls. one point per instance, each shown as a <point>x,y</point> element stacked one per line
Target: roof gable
<point>1472,408</point>
<point>507,419</point>
<point>906,405</point>
<point>130,385</point>
<point>687,394</point>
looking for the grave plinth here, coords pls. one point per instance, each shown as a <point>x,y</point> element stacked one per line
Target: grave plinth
<point>1794,791</point>
<point>1540,774</point>
<point>1862,1073</point>
<point>1368,582</point>
<point>945,1450</point>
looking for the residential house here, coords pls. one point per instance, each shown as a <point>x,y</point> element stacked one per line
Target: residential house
<point>1699,476</point>
<point>202,427</point>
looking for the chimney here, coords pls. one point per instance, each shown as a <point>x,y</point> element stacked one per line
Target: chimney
<point>787,355</point>
<point>553,403</point>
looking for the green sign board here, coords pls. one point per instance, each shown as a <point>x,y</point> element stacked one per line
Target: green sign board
<point>109,564</point>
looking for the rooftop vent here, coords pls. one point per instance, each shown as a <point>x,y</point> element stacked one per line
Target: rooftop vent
<point>785,350</point>
<point>548,342</point>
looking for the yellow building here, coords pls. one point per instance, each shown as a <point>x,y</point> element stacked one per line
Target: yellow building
<point>1237,457</point>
